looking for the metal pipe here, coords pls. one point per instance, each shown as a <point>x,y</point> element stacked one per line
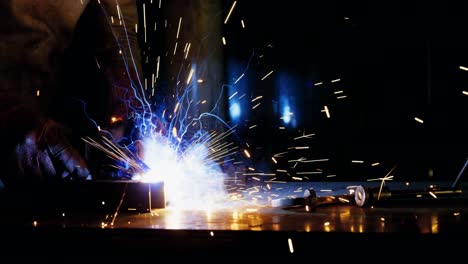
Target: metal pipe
<point>365,196</point>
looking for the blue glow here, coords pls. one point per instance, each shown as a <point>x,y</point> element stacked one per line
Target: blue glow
<point>235,111</point>
<point>238,89</point>
<point>288,96</point>
<point>286,114</point>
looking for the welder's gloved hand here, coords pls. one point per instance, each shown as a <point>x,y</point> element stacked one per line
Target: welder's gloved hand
<point>67,161</point>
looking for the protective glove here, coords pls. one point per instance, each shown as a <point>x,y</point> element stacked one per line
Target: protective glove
<point>42,154</point>
<point>66,160</point>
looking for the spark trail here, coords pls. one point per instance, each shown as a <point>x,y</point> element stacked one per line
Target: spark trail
<point>179,146</point>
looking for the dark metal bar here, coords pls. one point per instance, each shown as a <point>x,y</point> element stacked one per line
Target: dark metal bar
<point>366,196</point>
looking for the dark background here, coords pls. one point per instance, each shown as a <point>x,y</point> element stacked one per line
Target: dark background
<point>395,61</point>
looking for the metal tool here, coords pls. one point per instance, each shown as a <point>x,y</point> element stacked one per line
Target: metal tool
<point>365,196</point>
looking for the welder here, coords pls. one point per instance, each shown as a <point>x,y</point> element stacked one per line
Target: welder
<point>55,56</point>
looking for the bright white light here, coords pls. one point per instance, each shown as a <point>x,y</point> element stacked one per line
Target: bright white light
<point>178,27</point>
<point>190,76</point>
<point>230,11</point>
<point>286,114</point>
<point>268,74</point>
<point>190,180</point>
<point>235,110</point>
<point>290,245</point>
